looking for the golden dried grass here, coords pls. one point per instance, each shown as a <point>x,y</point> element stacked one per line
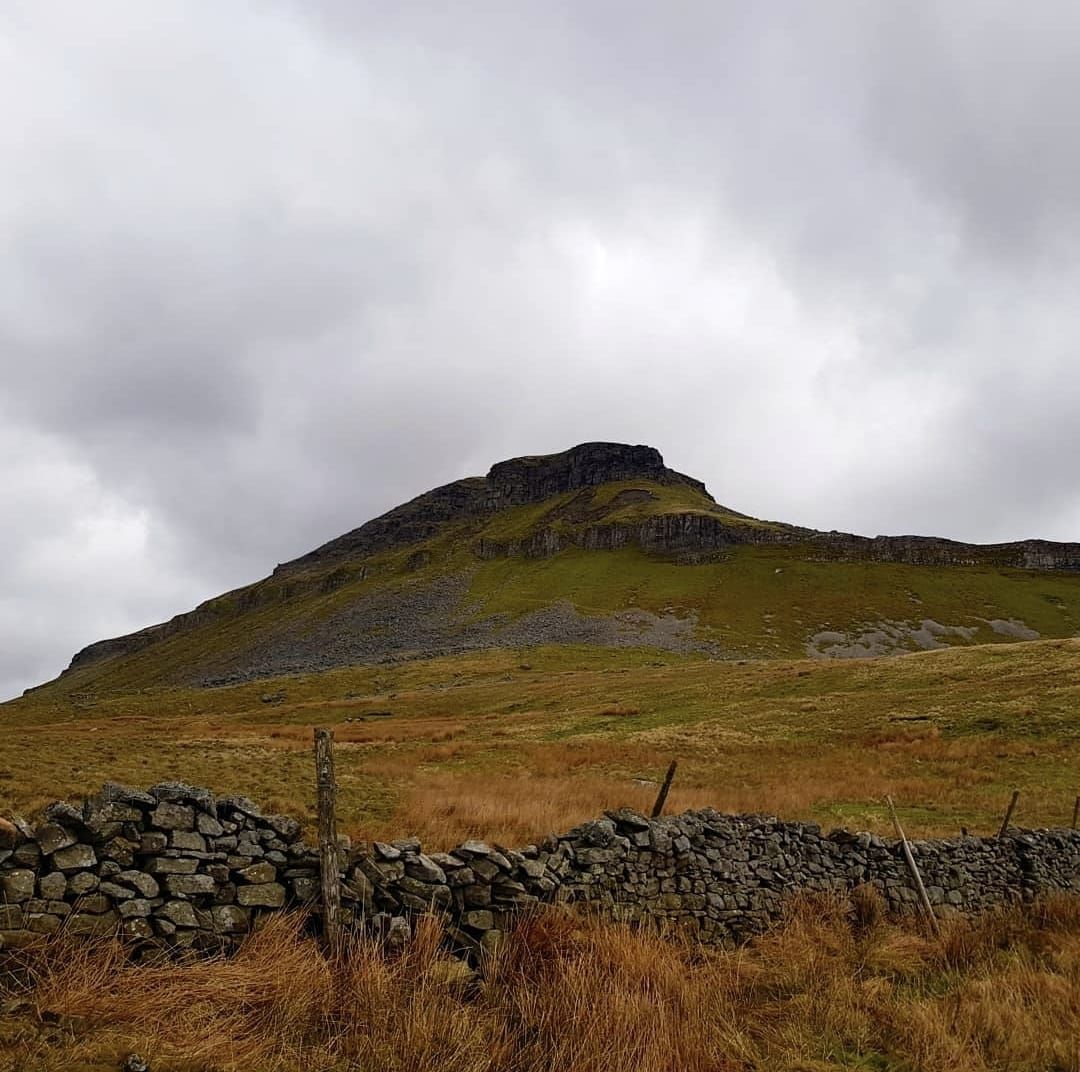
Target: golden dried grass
<point>823,990</point>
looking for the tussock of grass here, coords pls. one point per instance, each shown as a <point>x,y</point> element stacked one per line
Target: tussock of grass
<point>827,989</point>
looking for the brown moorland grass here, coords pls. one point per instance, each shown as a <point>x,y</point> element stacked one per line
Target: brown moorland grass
<point>479,745</point>
<point>829,988</point>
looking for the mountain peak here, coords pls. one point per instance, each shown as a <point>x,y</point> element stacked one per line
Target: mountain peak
<point>515,482</point>
<point>536,477</point>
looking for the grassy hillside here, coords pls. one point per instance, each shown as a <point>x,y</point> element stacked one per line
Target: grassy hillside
<point>510,744</point>
<point>751,601</point>
<point>764,601</point>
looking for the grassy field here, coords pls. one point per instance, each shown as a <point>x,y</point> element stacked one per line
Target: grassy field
<point>510,745</point>
<point>826,990</point>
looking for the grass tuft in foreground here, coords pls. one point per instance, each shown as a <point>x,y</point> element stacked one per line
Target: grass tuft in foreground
<point>835,986</point>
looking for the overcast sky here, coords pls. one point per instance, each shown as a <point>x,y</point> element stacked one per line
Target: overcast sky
<point>269,268</point>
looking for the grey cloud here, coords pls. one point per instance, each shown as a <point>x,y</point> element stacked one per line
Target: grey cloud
<point>972,106</point>
<point>269,269</point>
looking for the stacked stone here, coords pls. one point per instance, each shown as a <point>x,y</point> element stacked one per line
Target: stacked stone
<point>175,866</point>
<point>476,887</point>
<point>171,864</point>
<point>728,876</point>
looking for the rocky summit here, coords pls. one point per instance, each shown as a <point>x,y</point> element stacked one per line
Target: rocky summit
<point>602,544</point>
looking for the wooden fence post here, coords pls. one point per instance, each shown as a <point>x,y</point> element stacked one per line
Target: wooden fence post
<point>1008,814</point>
<point>326,789</point>
<point>924,900</point>
<point>661,798</point>
<point>1076,812</point>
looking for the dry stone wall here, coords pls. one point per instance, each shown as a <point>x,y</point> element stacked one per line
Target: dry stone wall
<point>176,866</point>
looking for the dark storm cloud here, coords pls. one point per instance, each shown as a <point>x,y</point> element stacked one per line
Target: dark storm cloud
<point>268,269</point>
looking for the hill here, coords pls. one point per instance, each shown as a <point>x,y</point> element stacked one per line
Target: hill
<point>506,654</point>
<point>601,545</point>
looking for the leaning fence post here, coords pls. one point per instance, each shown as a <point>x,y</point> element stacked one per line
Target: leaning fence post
<point>661,797</point>
<point>330,877</point>
<point>1008,814</point>
<point>924,900</point>
<point>1076,812</point>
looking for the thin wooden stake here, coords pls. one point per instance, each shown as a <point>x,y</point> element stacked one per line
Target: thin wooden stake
<point>326,789</point>
<point>924,900</point>
<point>661,798</point>
<point>1008,814</point>
<point>1076,813</point>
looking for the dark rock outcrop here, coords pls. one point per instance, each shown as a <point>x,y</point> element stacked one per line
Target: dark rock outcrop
<point>680,533</point>
<point>517,482</point>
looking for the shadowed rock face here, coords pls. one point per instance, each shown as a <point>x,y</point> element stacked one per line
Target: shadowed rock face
<point>527,480</point>
<point>517,482</point>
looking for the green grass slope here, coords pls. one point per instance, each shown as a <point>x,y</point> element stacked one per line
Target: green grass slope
<point>766,601</point>
<point>756,601</point>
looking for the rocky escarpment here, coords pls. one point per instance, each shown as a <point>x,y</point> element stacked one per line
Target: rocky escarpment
<point>517,482</point>
<point>680,533</point>
<point>933,551</point>
<point>665,534</point>
<point>175,866</point>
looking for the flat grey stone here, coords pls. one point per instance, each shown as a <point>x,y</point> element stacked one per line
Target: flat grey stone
<point>478,919</point>
<point>230,919</point>
<point>17,885</point>
<point>153,842</point>
<point>82,883</point>
<point>52,836</point>
<point>284,826</point>
<point>474,848</point>
<point>136,908</point>
<point>117,893</point>
<point>172,865</point>
<point>182,793</point>
<point>11,917</point>
<point>189,885</point>
<point>53,886</point>
<point>257,873</point>
<point>263,895</point>
<point>124,794</point>
<point>169,816</point>
<point>91,925</point>
<point>44,922</point>
<point>178,913</point>
<point>77,857</point>
<point>139,881</point>
<point>187,839</point>
<point>208,825</point>
<point>424,868</point>
<point>239,805</point>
